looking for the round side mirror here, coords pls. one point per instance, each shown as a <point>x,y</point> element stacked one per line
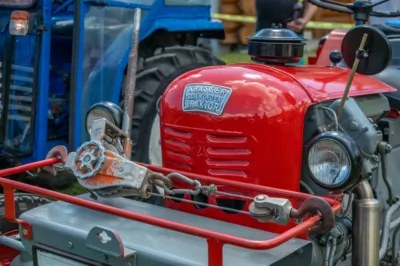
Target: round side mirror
<point>377,48</point>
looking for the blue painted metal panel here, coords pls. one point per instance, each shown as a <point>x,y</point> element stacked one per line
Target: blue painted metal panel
<point>104,80</point>
<point>43,86</point>
<point>77,124</point>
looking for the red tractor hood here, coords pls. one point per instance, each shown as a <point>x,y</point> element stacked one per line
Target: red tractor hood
<point>245,103</point>
<point>323,83</point>
<point>244,122</point>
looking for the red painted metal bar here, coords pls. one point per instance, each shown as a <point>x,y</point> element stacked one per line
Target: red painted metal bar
<point>27,167</point>
<point>215,252</point>
<point>216,240</point>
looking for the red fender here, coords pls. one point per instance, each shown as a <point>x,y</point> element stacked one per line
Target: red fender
<point>333,42</point>
<point>7,254</point>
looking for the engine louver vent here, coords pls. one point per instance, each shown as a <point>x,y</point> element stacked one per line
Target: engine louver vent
<point>220,155</point>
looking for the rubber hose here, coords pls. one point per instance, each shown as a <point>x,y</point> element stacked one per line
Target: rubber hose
<point>394,244</point>
<point>332,255</point>
<point>386,227</point>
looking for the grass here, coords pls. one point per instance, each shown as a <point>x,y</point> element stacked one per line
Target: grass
<point>232,58</point>
<point>74,190</point>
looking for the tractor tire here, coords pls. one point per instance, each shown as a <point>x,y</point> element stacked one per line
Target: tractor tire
<point>46,180</point>
<point>154,75</point>
<point>42,179</point>
<point>23,202</point>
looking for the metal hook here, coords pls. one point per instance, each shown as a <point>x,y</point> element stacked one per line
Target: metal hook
<point>313,204</point>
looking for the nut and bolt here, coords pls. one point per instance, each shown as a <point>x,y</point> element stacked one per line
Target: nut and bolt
<point>353,126</point>
<point>388,148</point>
<point>261,197</point>
<point>25,232</point>
<point>374,159</point>
<point>300,251</point>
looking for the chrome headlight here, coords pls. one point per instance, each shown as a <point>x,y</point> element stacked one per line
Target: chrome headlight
<point>107,110</point>
<point>334,160</point>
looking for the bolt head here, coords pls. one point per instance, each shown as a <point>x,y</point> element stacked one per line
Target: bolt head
<point>353,126</point>
<point>388,148</point>
<point>300,251</point>
<point>374,159</point>
<point>261,197</point>
<point>24,232</point>
<point>87,158</point>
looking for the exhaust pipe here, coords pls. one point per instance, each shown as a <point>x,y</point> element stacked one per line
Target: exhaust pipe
<point>130,83</point>
<point>365,247</point>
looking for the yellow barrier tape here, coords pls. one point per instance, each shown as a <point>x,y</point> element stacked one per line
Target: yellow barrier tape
<point>310,25</point>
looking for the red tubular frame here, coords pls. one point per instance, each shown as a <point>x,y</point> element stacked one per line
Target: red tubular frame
<point>215,240</point>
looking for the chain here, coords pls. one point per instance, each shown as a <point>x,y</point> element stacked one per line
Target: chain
<point>210,190</point>
<point>200,203</point>
<point>194,192</point>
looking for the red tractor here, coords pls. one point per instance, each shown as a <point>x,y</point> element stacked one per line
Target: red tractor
<point>361,11</point>
<point>258,160</point>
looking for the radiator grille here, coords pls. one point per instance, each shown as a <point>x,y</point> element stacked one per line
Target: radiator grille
<point>228,155</point>
<point>222,155</point>
<point>177,145</point>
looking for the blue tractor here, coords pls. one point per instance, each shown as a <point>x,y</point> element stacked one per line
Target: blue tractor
<point>59,57</point>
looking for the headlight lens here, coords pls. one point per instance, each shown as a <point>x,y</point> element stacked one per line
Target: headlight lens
<point>107,110</point>
<point>329,162</point>
<point>334,160</point>
<point>97,113</point>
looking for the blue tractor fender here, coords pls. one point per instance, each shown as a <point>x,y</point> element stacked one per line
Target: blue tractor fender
<point>176,25</point>
<point>110,71</point>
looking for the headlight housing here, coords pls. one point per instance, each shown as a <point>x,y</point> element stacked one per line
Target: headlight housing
<point>333,160</point>
<point>107,110</point>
